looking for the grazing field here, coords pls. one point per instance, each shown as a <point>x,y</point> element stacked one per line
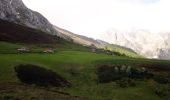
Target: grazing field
<point>78,65</point>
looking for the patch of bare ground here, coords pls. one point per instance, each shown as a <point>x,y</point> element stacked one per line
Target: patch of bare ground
<point>19,91</point>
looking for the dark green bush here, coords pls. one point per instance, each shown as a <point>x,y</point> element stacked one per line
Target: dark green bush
<point>9,97</point>
<point>73,71</point>
<point>140,73</point>
<point>108,73</point>
<point>162,90</point>
<point>126,82</point>
<point>32,74</point>
<point>161,79</point>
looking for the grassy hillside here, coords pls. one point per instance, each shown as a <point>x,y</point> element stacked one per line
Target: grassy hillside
<point>78,65</point>
<point>123,51</point>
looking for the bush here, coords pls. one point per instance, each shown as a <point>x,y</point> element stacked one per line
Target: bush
<point>32,74</point>
<point>126,82</point>
<point>161,79</point>
<point>108,73</point>
<point>140,73</point>
<point>73,71</point>
<point>162,90</point>
<point>8,97</point>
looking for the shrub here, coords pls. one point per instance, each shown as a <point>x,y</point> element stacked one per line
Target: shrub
<point>32,74</point>
<point>126,82</point>
<point>107,73</point>
<point>8,97</point>
<point>161,79</point>
<point>162,90</point>
<point>73,71</point>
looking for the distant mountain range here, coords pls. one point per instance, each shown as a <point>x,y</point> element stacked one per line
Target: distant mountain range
<point>151,45</point>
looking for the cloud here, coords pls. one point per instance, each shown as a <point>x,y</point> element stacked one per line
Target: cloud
<point>139,1</point>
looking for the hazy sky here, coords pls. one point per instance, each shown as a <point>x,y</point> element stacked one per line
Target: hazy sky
<point>92,17</point>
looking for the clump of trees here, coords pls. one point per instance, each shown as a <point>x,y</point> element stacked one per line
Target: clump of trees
<point>32,74</point>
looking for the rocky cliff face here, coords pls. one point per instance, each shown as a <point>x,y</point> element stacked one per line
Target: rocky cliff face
<point>151,45</point>
<point>15,11</point>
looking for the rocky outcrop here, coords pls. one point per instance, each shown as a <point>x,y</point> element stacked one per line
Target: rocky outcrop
<point>15,11</point>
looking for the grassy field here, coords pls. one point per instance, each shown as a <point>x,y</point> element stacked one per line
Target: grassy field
<point>70,58</point>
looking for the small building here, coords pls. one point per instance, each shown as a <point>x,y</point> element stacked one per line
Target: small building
<point>23,49</point>
<point>113,54</point>
<point>93,50</point>
<point>48,50</point>
<point>109,52</point>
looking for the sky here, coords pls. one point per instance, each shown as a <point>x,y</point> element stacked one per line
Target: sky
<point>93,17</point>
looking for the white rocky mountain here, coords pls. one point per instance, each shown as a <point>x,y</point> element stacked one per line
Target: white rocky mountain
<point>150,45</point>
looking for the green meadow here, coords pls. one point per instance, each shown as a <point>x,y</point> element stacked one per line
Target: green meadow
<point>78,65</point>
